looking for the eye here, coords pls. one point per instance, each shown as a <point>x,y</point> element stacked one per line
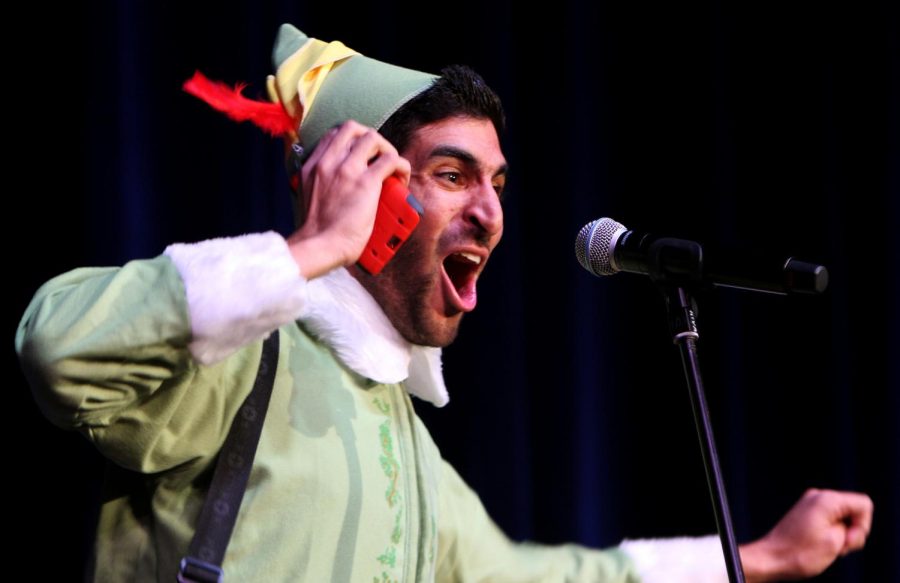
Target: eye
<point>451,179</point>
<point>499,188</point>
<point>451,176</point>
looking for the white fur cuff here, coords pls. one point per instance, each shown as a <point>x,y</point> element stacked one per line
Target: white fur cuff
<point>238,290</point>
<point>678,560</point>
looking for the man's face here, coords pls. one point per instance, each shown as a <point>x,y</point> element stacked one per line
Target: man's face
<point>458,174</point>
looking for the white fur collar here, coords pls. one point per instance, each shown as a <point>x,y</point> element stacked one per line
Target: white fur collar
<point>341,313</point>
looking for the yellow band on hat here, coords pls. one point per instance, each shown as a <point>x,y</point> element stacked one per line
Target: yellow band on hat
<point>299,78</point>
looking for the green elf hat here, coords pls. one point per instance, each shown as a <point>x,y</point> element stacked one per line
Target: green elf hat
<point>321,85</point>
<point>316,86</point>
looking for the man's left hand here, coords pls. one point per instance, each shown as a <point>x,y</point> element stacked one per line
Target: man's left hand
<point>822,526</point>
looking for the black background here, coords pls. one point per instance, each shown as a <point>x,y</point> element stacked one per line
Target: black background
<point>769,126</point>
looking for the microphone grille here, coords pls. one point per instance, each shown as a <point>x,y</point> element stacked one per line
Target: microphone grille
<point>593,245</point>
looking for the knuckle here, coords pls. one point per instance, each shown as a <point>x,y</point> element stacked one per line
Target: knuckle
<point>391,156</point>
<point>366,136</point>
<point>389,147</point>
<point>344,172</point>
<point>353,125</point>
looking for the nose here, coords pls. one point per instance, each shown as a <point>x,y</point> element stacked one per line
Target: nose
<point>484,209</point>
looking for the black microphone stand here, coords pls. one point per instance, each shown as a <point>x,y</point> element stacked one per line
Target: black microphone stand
<point>683,324</point>
<point>677,266</point>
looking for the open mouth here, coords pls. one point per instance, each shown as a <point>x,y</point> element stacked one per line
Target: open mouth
<point>462,272</point>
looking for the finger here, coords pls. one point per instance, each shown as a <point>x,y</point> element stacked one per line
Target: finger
<point>368,147</point>
<point>331,151</point>
<point>856,509</point>
<point>346,136</point>
<point>391,165</point>
<point>403,170</point>
<point>321,147</point>
<point>855,540</point>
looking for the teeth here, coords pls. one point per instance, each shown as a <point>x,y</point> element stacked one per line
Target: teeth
<point>471,257</point>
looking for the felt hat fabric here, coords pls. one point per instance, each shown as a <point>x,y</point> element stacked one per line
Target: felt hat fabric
<point>324,84</point>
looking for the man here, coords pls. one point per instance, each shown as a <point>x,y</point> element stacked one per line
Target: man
<point>151,362</point>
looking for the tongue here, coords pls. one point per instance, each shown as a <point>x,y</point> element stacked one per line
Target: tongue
<point>462,283</point>
<point>467,293</point>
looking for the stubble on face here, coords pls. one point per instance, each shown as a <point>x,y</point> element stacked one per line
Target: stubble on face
<point>457,173</point>
<point>403,289</point>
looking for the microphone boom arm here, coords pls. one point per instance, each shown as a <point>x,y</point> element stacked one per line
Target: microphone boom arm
<point>605,247</point>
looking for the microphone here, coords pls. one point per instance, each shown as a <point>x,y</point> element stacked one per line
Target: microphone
<point>606,247</point>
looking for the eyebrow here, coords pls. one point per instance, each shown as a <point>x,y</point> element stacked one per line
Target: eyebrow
<point>447,151</point>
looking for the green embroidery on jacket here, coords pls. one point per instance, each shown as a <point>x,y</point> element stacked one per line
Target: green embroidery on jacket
<point>388,557</point>
<point>391,468</point>
<point>397,533</point>
<point>385,578</point>
<point>382,406</point>
<point>389,463</point>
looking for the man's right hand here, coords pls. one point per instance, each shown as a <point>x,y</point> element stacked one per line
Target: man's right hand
<point>340,190</point>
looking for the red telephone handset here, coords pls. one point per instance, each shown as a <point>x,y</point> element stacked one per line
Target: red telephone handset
<point>397,215</point>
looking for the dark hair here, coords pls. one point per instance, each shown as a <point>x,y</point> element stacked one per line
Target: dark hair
<point>459,92</point>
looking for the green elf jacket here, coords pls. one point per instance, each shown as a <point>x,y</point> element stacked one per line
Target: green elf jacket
<point>151,361</point>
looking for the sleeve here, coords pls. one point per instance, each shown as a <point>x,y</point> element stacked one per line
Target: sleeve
<point>135,357</point>
<point>471,547</point>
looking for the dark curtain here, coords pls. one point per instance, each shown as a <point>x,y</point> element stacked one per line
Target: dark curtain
<point>770,126</point>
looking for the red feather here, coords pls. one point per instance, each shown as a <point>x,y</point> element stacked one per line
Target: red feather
<point>270,117</point>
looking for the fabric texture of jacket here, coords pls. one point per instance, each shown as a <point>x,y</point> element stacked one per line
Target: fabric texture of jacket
<point>347,484</point>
